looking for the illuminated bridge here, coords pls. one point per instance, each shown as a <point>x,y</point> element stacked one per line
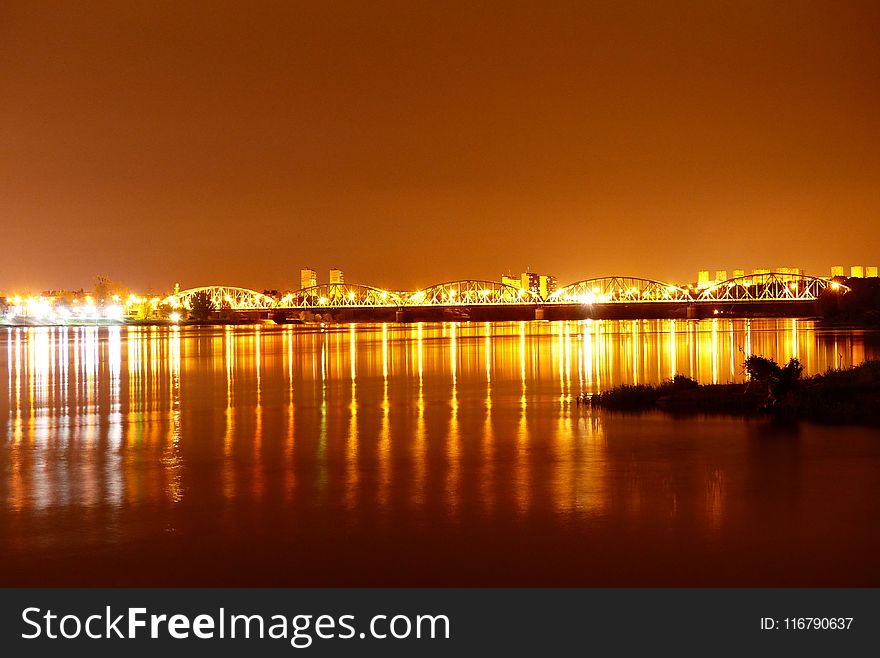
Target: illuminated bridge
<point>756,289</point>
<point>347,295</point>
<point>769,287</point>
<point>224,297</point>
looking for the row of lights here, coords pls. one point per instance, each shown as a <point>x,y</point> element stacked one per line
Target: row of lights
<point>49,309</point>
<point>46,308</point>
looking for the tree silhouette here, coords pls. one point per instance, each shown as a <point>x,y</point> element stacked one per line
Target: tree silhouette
<point>778,381</point>
<point>201,306</point>
<point>105,288</point>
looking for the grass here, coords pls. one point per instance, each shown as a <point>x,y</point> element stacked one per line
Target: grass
<point>845,396</point>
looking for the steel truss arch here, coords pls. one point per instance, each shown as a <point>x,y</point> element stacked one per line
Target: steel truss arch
<point>470,292</point>
<point>619,289</point>
<point>339,295</point>
<point>237,299</point>
<point>770,287</point>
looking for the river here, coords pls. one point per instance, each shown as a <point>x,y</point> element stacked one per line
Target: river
<point>421,454</point>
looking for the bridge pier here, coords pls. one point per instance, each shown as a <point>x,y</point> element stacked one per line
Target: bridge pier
<point>400,315</point>
<point>539,313</point>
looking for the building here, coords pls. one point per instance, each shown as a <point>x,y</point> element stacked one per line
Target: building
<point>720,275</point>
<point>509,280</point>
<point>543,285</point>
<point>738,273</point>
<point>308,278</point>
<point>789,273</point>
<point>855,271</point>
<point>336,276</point>
<point>703,279</point>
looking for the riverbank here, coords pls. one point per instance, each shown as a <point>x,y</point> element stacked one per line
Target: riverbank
<point>845,396</point>
<point>156,323</point>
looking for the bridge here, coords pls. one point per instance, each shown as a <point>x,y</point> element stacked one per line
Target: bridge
<point>223,297</point>
<point>773,287</point>
<point>466,292</point>
<point>619,289</point>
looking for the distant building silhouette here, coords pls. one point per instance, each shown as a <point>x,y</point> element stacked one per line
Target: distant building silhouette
<point>308,278</point>
<point>540,284</point>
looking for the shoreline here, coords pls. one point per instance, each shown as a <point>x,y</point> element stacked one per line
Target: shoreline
<point>846,396</point>
<point>821,323</point>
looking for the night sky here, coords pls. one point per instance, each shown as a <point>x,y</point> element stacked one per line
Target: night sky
<point>407,143</point>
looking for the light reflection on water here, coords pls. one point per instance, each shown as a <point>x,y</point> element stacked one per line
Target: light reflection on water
<point>137,438</point>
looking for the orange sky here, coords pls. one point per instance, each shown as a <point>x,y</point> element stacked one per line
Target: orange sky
<point>235,142</point>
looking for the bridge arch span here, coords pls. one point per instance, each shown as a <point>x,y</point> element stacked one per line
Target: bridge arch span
<point>621,289</point>
<point>238,299</point>
<point>339,295</point>
<point>770,286</point>
<point>471,292</point>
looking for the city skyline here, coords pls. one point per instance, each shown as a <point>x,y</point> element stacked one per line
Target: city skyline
<point>156,144</point>
<point>539,282</point>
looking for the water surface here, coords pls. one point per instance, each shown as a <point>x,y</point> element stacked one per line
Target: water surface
<point>431,454</point>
